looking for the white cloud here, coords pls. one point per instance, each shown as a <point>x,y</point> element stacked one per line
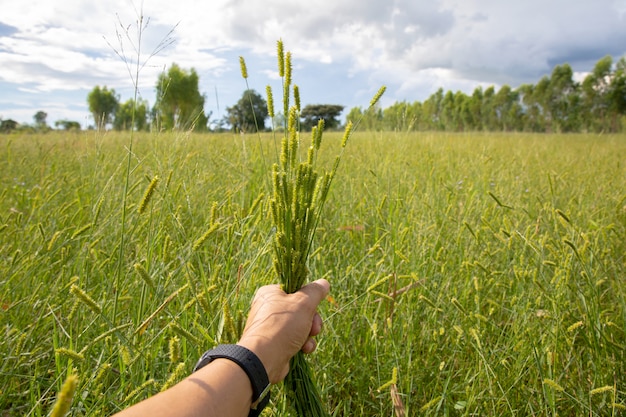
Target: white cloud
<point>414,46</point>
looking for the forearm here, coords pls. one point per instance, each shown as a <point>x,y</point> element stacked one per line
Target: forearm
<point>221,388</point>
<point>278,326</point>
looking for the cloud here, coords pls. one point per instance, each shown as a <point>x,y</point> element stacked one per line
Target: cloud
<point>345,49</point>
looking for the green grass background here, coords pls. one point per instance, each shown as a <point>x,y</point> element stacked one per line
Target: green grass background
<point>512,248</point>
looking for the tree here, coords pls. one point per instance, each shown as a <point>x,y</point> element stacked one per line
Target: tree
<point>533,120</point>
<point>562,99</point>
<point>617,95</point>
<point>103,104</point>
<point>129,113</point>
<point>40,120</point>
<point>68,125</point>
<point>179,102</point>
<point>401,116</point>
<point>432,111</point>
<point>488,111</point>
<point>8,125</point>
<point>249,113</point>
<point>312,113</point>
<point>604,95</point>
<point>355,114</point>
<point>506,108</point>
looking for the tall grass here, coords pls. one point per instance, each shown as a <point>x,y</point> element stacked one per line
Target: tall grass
<point>472,274</point>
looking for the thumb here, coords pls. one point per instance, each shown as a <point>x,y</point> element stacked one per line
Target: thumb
<point>316,291</point>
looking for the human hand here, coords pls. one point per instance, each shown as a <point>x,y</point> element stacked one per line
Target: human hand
<point>281,324</point>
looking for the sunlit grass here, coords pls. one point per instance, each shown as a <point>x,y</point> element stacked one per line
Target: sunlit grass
<point>487,270</point>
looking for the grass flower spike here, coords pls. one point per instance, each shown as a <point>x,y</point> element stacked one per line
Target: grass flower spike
<point>244,69</point>
<point>64,400</point>
<point>300,190</point>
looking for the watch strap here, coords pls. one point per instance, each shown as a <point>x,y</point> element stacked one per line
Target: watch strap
<point>251,365</point>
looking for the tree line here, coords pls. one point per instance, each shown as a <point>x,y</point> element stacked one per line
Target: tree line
<point>180,106</point>
<point>557,103</point>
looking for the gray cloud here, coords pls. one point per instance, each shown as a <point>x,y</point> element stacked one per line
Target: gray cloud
<point>475,40</point>
<point>413,46</point>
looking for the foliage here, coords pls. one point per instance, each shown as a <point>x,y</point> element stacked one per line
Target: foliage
<point>312,113</point>
<point>180,106</point>
<point>40,121</point>
<point>557,103</point>
<point>67,125</point>
<point>131,115</point>
<point>103,104</point>
<point>487,269</point>
<point>8,125</point>
<point>248,114</point>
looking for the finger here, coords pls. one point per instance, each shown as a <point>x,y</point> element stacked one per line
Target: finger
<point>316,326</point>
<point>309,346</point>
<point>316,290</point>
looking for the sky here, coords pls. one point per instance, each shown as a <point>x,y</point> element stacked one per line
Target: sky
<point>54,52</point>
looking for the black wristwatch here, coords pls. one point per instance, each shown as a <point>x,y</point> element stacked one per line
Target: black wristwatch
<point>252,366</point>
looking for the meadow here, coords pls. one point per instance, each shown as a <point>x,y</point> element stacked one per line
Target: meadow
<point>472,274</point>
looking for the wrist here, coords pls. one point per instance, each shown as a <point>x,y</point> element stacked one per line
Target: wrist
<point>263,352</point>
<point>251,365</point>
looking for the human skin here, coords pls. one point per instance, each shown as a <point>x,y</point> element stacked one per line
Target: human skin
<point>278,326</point>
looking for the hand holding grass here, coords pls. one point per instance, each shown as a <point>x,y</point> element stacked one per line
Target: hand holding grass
<point>280,325</point>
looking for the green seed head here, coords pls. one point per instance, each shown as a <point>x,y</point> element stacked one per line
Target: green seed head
<point>175,376</point>
<point>270,101</point>
<point>346,134</point>
<point>147,196</point>
<point>85,298</point>
<point>244,69</point>
<point>288,69</point>
<point>318,134</point>
<point>378,95</point>
<point>64,400</point>
<point>281,58</point>
<point>296,97</point>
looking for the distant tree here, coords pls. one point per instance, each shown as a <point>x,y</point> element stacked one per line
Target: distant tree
<point>431,119</point>
<point>179,102</point>
<point>618,93</point>
<point>279,121</point>
<point>533,120</point>
<point>474,108</point>
<point>556,103</point>
<point>40,120</point>
<point>103,104</point>
<point>448,112</point>
<point>561,99</point>
<point>488,111</point>
<point>68,125</point>
<point>506,108</point>
<point>131,115</point>
<point>312,113</point>
<point>401,116</point>
<point>355,114</point>
<point>604,95</point>
<point>249,113</point>
<point>373,119</point>
<point>8,125</point>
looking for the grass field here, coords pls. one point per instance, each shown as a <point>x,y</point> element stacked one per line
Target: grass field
<point>472,274</point>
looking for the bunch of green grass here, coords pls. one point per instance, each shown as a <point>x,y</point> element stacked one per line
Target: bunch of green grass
<point>300,190</point>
